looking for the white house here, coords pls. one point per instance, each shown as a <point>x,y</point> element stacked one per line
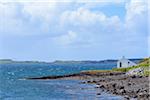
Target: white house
<point>124,63</point>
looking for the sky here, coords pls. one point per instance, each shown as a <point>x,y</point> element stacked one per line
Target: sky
<point>48,30</point>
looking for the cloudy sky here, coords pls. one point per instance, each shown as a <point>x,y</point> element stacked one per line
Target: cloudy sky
<point>50,30</point>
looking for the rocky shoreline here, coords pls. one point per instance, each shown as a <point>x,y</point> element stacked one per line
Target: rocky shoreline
<point>118,83</point>
<point>136,87</point>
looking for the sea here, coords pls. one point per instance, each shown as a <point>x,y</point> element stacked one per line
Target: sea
<point>13,85</point>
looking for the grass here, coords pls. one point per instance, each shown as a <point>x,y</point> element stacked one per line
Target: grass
<point>145,64</point>
<point>147,73</point>
<point>99,71</point>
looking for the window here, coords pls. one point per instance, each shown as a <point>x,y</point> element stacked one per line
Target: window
<point>128,63</point>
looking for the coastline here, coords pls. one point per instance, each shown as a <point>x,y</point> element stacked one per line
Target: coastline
<point>115,82</point>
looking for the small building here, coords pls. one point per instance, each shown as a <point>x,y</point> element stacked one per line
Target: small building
<point>124,63</point>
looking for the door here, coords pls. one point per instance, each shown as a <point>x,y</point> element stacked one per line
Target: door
<point>120,64</point>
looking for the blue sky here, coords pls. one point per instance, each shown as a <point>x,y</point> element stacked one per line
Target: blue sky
<point>73,29</point>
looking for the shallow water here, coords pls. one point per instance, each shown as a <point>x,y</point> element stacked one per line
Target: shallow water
<point>13,87</point>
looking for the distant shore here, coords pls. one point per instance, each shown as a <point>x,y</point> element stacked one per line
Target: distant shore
<point>67,62</point>
<point>117,83</point>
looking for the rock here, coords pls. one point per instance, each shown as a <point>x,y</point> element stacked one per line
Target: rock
<point>148,95</point>
<point>122,91</point>
<point>135,71</point>
<point>135,96</point>
<point>102,86</point>
<point>88,81</point>
<point>121,87</point>
<point>133,76</point>
<point>138,90</point>
<point>97,86</point>
<point>146,90</point>
<point>141,94</point>
<point>129,83</point>
<point>94,81</point>
<point>114,85</point>
<point>98,93</point>
<point>126,98</point>
<point>111,74</point>
<point>140,76</point>
<point>83,82</point>
<point>115,89</point>
<point>134,87</point>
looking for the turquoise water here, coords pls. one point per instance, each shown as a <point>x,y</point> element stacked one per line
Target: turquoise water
<point>13,87</point>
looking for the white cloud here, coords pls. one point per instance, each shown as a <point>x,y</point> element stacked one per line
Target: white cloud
<point>135,8</point>
<point>23,18</point>
<point>9,20</point>
<point>45,18</point>
<point>136,16</point>
<point>66,39</point>
<point>44,11</point>
<point>55,27</point>
<point>81,16</point>
<point>47,14</point>
<point>88,23</point>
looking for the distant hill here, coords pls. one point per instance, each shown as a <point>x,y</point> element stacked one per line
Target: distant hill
<point>137,60</point>
<point>90,61</point>
<point>87,61</point>
<point>6,60</point>
<point>12,61</point>
<point>68,62</point>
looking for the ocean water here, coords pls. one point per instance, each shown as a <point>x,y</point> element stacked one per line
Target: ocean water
<point>14,87</point>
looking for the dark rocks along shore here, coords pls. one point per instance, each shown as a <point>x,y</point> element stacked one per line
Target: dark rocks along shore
<point>136,87</point>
